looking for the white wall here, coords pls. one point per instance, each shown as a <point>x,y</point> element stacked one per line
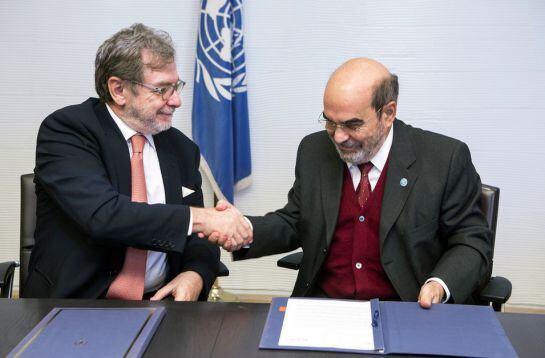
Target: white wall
<point>474,70</point>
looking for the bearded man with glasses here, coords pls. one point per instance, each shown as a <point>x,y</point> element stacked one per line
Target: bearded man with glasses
<point>380,209</point>
<point>119,199</point>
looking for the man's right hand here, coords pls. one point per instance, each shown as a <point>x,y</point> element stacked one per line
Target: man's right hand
<point>224,226</point>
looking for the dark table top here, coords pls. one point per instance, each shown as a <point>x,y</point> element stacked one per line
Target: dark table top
<point>216,329</point>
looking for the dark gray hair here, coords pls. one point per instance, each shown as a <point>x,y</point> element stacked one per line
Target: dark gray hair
<point>121,56</point>
<point>386,91</point>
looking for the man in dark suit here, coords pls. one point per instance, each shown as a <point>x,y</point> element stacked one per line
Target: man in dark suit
<point>87,223</point>
<point>380,209</point>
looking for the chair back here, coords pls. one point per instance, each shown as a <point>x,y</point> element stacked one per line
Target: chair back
<point>28,225</point>
<point>490,198</point>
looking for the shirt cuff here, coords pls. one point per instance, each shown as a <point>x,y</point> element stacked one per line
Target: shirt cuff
<point>251,227</point>
<point>442,283</point>
<point>190,229</point>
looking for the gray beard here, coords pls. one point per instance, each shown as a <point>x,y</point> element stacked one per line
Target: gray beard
<point>145,125</point>
<point>365,153</point>
<point>356,158</point>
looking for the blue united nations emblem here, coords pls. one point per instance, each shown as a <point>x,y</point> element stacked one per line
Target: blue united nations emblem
<point>220,120</point>
<point>220,54</point>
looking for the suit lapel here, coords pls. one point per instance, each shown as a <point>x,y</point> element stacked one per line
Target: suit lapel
<point>331,182</point>
<point>167,163</point>
<point>119,166</point>
<point>400,179</point>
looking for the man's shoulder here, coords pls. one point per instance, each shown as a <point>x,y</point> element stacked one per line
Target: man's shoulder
<point>317,143</point>
<point>316,139</point>
<point>82,112</point>
<point>424,137</point>
<point>88,105</point>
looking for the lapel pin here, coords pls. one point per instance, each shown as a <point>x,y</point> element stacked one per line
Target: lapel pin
<point>403,182</point>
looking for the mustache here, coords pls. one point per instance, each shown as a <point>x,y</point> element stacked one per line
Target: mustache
<point>349,143</point>
<point>168,112</point>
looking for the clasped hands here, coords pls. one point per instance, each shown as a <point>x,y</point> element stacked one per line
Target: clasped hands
<point>224,226</point>
<point>227,227</point>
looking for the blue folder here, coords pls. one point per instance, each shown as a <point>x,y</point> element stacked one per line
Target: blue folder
<point>91,332</point>
<point>406,328</point>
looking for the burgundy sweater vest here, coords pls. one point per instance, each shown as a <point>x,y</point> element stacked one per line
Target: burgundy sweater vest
<point>352,268</point>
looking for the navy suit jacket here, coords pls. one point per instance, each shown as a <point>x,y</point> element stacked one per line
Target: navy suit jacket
<point>85,217</point>
<point>430,225</point>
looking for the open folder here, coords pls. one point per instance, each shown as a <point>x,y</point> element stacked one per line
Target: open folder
<point>91,332</point>
<point>384,327</point>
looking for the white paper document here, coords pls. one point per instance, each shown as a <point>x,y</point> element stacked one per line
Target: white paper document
<point>328,324</point>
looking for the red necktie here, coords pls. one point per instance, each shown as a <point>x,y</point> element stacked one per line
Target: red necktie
<point>364,189</point>
<point>129,283</point>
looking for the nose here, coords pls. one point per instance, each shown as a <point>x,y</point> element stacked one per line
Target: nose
<point>340,135</point>
<point>175,100</point>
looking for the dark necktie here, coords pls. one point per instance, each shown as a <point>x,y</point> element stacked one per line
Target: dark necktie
<point>129,283</point>
<point>364,189</point>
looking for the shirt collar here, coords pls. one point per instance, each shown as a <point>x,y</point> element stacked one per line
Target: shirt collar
<point>379,160</point>
<point>127,131</point>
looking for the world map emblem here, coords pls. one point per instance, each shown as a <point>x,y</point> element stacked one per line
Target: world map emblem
<point>220,53</point>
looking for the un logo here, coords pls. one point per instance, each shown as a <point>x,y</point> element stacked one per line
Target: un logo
<point>220,54</point>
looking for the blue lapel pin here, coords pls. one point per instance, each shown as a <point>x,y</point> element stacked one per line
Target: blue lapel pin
<point>403,182</point>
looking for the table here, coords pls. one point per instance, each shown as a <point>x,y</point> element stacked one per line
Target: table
<point>217,329</point>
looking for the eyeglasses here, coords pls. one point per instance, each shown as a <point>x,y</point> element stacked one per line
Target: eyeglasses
<point>351,125</point>
<point>164,92</point>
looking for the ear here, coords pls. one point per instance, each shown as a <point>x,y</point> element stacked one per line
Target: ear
<point>389,112</point>
<point>117,88</point>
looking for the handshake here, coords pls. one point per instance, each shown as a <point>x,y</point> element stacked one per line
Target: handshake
<point>224,225</point>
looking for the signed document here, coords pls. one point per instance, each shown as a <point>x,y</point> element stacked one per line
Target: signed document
<point>328,324</point>
<point>376,327</point>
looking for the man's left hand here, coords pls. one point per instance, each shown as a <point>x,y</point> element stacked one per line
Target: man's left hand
<point>185,287</point>
<point>431,292</point>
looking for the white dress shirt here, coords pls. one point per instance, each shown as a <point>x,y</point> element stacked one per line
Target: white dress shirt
<point>156,264</point>
<point>379,161</point>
